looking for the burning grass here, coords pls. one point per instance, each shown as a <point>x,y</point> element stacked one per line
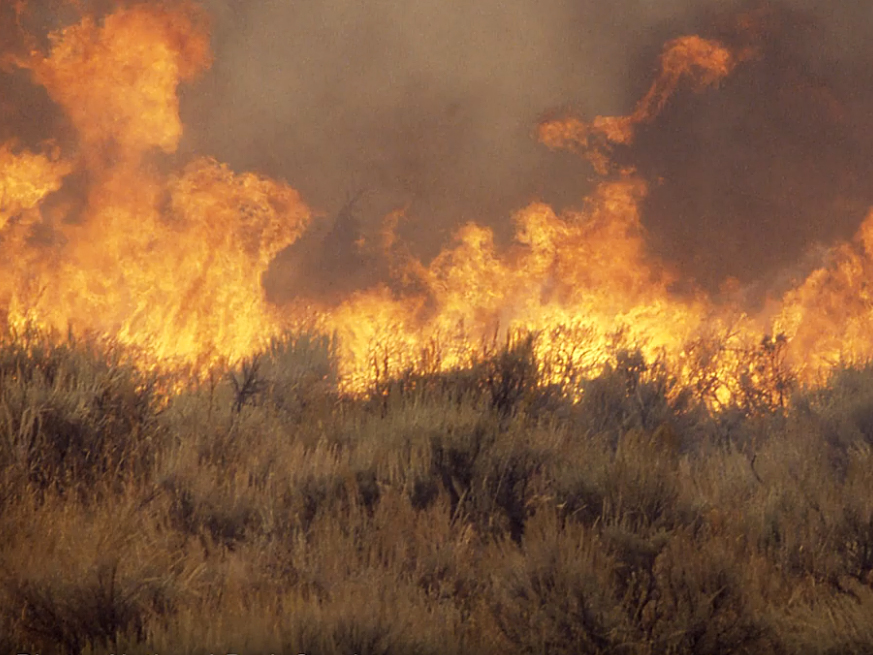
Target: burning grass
<point>485,509</point>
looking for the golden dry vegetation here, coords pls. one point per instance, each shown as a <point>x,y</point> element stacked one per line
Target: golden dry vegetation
<point>482,510</point>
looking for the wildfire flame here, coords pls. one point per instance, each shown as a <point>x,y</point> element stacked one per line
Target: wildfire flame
<point>171,261</point>
<point>703,61</point>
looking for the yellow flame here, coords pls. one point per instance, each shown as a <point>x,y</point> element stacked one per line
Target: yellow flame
<point>171,262</point>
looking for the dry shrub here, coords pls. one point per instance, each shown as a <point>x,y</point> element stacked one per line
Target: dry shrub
<point>74,579</point>
<point>73,414</point>
<point>556,593</point>
<point>637,479</point>
<point>840,622</point>
<point>472,511</point>
<point>702,601</point>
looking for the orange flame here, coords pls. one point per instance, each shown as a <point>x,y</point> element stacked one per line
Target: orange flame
<point>172,262</point>
<point>829,317</point>
<point>117,82</point>
<point>702,61</point>
<point>585,272</point>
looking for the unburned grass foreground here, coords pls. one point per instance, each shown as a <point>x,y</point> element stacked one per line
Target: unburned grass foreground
<point>477,511</point>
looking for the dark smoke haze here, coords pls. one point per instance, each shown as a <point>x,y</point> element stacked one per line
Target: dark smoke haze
<point>431,107</point>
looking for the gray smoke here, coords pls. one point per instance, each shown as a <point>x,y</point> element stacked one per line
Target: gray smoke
<point>431,106</point>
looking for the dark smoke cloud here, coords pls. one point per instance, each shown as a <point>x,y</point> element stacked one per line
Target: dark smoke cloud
<point>758,176</point>
<point>423,105</point>
<point>432,107</point>
<point>27,115</point>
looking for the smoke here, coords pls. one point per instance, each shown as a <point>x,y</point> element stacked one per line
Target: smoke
<point>432,108</point>
<point>427,107</point>
<point>757,177</point>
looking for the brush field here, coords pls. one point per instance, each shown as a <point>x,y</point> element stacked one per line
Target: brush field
<point>261,510</point>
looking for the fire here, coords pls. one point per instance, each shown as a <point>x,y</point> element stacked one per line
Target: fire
<point>702,61</point>
<point>25,180</point>
<point>578,279</point>
<point>582,273</point>
<point>170,261</point>
<point>830,316</point>
<point>117,82</point>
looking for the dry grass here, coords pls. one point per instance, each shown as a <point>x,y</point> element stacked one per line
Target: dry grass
<point>478,511</point>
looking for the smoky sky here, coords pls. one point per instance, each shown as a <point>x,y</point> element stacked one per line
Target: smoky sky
<point>431,106</point>
<point>368,107</point>
<point>425,105</point>
<point>758,176</point>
